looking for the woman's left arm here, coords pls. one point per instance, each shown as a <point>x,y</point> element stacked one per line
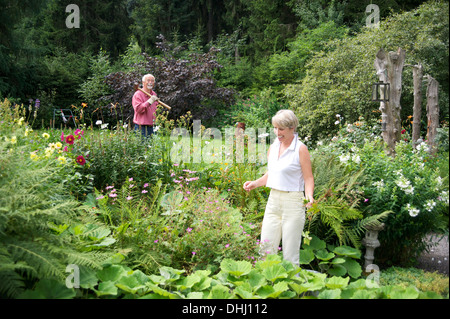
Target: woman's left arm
<point>305,163</point>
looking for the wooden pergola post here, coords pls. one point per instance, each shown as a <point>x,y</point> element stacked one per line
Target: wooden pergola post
<point>417,110</point>
<point>389,70</point>
<point>432,113</point>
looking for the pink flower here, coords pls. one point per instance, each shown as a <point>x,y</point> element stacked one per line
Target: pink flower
<point>129,198</point>
<point>78,133</point>
<point>145,185</point>
<point>144,191</point>
<point>227,245</point>
<point>194,253</point>
<point>189,229</point>
<point>62,136</point>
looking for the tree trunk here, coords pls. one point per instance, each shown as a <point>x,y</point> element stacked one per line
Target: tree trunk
<point>432,113</point>
<point>417,111</point>
<point>392,64</point>
<point>210,24</point>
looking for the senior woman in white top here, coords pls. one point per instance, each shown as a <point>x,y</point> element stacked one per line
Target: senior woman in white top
<point>291,180</point>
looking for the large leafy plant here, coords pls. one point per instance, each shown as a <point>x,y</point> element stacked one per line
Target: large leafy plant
<point>336,261</point>
<point>238,279</point>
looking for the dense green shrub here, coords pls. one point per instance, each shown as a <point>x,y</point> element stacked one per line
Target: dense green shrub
<point>411,185</point>
<point>339,81</point>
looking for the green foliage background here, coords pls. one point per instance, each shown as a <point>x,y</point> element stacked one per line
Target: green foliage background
<point>315,57</point>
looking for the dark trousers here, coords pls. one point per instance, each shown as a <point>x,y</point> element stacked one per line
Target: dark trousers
<point>144,130</point>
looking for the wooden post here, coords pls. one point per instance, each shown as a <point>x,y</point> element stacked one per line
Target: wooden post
<point>389,70</point>
<point>432,113</point>
<point>417,110</point>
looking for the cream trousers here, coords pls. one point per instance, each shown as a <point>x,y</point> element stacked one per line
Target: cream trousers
<point>284,220</point>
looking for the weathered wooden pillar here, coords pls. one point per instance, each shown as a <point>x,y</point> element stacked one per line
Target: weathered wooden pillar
<point>389,70</point>
<point>417,110</point>
<point>432,113</point>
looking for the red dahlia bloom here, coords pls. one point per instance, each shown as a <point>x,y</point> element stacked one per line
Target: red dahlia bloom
<point>81,160</point>
<point>70,139</point>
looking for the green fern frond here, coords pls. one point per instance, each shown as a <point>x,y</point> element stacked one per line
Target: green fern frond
<point>370,221</point>
<point>44,263</point>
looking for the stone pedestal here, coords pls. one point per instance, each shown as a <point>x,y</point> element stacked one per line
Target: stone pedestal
<point>371,242</point>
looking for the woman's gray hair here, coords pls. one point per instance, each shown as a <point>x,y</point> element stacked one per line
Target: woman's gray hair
<point>285,119</point>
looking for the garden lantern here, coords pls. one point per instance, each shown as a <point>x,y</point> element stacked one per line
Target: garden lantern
<point>380,92</point>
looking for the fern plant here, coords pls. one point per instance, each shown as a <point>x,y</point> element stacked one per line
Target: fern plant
<point>335,214</point>
<point>32,198</point>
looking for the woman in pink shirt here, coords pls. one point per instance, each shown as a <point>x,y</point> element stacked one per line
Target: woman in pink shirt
<point>145,107</point>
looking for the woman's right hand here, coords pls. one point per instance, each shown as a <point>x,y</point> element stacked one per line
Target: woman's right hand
<point>249,185</point>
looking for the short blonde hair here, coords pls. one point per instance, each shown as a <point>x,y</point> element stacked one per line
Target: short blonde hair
<point>285,119</point>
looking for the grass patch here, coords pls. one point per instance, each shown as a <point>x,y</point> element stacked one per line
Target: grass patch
<point>422,280</point>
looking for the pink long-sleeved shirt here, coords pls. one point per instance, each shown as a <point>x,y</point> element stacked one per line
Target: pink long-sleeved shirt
<point>144,113</point>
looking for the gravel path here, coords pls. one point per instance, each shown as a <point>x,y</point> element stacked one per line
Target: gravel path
<point>437,258</point>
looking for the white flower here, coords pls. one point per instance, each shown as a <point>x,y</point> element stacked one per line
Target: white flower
<point>263,135</point>
<point>356,159</point>
<point>423,147</point>
<point>104,125</point>
<point>429,205</point>
<point>403,182</point>
<point>379,185</point>
<point>413,212</point>
<point>155,129</point>
<point>399,172</point>
<point>98,122</point>
<point>338,115</point>
<point>409,190</point>
<point>337,122</point>
<point>444,197</point>
<point>344,158</point>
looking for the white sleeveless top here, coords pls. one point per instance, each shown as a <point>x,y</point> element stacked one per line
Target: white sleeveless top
<point>285,173</point>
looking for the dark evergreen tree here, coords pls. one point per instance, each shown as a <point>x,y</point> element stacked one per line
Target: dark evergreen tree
<point>103,24</point>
